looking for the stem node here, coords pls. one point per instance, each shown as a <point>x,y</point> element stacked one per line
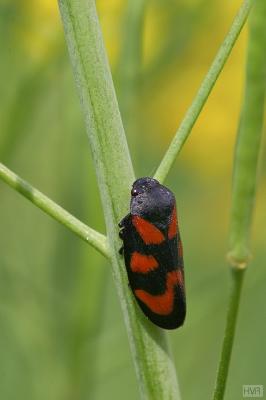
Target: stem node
<point>238,263</point>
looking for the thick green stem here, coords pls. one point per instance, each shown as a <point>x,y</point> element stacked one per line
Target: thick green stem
<point>244,179</point>
<point>249,139</point>
<point>203,92</point>
<point>154,367</point>
<point>89,235</point>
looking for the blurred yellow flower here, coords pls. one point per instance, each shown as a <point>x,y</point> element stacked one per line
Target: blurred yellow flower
<point>38,28</point>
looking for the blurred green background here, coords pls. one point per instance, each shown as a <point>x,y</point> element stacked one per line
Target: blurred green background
<point>61,330</point>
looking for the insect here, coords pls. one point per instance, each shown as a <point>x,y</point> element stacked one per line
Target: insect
<point>152,250</point>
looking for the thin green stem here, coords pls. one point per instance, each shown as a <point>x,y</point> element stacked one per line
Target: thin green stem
<point>233,306</point>
<point>203,92</point>
<point>244,179</point>
<point>153,363</point>
<point>89,235</point>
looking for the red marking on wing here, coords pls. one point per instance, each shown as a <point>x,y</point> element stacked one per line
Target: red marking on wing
<point>143,263</point>
<point>162,304</point>
<point>148,232</point>
<point>172,231</point>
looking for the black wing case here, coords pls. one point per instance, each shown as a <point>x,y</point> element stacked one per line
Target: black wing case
<point>155,270</point>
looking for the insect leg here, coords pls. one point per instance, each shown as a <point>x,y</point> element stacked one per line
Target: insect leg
<point>123,221</point>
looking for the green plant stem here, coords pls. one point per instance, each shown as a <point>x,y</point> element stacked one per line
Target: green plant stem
<point>89,235</point>
<point>233,306</point>
<point>203,92</point>
<point>154,367</point>
<point>244,179</point>
<point>249,140</point>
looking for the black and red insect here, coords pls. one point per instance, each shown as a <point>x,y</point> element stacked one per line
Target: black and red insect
<point>153,253</point>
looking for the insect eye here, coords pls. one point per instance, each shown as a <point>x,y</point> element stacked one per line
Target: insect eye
<point>134,192</point>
